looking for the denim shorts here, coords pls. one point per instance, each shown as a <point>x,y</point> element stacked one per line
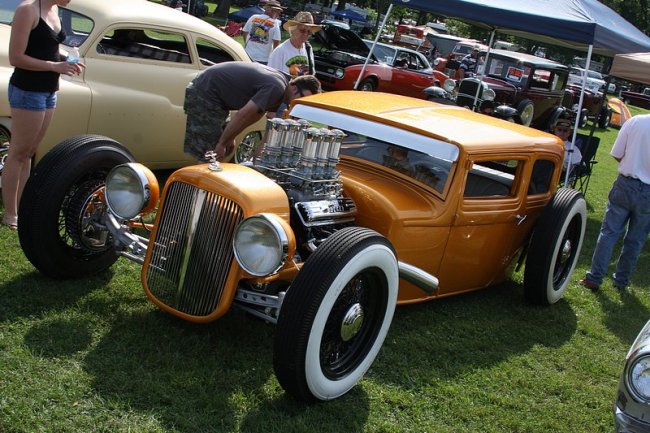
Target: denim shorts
<point>32,101</point>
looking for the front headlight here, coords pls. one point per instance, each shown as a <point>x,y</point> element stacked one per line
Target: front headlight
<point>639,377</point>
<point>338,73</point>
<point>489,95</point>
<point>449,85</point>
<point>131,189</point>
<point>261,244</point>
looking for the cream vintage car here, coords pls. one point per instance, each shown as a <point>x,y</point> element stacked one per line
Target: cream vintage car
<point>358,201</point>
<point>139,57</point>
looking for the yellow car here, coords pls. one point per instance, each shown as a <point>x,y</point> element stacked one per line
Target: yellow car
<point>358,201</point>
<point>139,57</point>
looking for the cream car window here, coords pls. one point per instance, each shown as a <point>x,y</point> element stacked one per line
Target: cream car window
<point>145,44</point>
<point>77,27</point>
<point>210,53</point>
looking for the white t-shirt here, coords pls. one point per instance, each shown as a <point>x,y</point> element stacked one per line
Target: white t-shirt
<point>632,147</point>
<point>262,31</point>
<point>290,60</point>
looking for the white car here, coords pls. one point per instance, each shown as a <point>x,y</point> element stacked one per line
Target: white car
<point>595,80</point>
<point>632,404</point>
<point>139,58</point>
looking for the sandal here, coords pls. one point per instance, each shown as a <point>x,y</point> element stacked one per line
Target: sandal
<point>11,226</point>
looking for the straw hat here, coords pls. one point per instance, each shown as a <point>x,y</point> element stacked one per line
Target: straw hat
<point>273,5</point>
<point>302,18</point>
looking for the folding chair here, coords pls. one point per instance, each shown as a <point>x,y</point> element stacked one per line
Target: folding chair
<point>581,173</point>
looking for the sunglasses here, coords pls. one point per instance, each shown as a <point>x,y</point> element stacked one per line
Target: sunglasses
<point>563,129</point>
<point>305,30</point>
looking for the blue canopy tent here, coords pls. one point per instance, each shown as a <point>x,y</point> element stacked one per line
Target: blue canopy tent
<point>578,24</point>
<point>349,14</point>
<point>242,15</point>
<point>573,23</point>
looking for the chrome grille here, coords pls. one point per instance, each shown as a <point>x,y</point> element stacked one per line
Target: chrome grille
<point>192,251</point>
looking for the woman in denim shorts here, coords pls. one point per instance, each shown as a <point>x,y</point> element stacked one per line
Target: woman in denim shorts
<point>36,33</point>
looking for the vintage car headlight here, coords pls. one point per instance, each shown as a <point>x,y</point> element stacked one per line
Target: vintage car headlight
<point>338,73</point>
<point>131,189</point>
<point>449,85</point>
<point>639,377</point>
<point>261,244</point>
<point>489,95</point>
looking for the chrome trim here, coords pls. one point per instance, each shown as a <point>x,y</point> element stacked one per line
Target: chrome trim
<point>422,279</point>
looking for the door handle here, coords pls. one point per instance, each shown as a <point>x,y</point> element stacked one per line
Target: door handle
<point>520,219</point>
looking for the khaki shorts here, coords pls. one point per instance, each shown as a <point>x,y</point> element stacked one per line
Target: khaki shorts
<point>204,125</point>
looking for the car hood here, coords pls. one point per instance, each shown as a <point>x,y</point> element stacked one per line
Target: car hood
<point>333,37</point>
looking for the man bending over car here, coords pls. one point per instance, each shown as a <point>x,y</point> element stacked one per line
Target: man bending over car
<point>251,88</point>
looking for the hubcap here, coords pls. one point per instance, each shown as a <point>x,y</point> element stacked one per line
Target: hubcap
<point>352,322</point>
<point>566,251</point>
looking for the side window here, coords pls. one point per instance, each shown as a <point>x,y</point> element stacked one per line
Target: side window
<point>492,179</point>
<point>210,53</point>
<point>145,44</point>
<point>77,27</point>
<point>540,179</point>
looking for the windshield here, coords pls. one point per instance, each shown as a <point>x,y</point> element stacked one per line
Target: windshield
<point>509,70</point>
<point>594,74</point>
<point>425,159</point>
<point>429,170</point>
<point>383,53</point>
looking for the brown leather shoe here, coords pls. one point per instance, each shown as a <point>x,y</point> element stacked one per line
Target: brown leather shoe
<point>589,284</point>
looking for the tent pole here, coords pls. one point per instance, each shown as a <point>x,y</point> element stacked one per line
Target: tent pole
<point>372,48</point>
<point>485,62</point>
<point>578,114</point>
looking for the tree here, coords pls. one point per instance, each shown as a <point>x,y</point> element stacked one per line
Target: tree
<point>222,9</point>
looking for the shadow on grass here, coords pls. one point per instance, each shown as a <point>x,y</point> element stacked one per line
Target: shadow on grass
<point>194,377</point>
<point>469,332</point>
<point>32,294</point>
<point>625,314</point>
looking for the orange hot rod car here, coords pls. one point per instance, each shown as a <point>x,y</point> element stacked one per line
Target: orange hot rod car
<point>358,202</point>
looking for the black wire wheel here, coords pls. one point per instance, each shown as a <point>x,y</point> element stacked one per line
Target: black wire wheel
<point>555,247</point>
<point>5,135</point>
<point>336,314</point>
<point>62,205</point>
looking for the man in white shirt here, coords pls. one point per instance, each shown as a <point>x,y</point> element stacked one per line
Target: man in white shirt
<point>628,207</point>
<point>294,56</point>
<point>262,32</point>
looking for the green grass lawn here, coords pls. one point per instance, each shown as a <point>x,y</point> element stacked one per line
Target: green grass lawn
<point>95,355</point>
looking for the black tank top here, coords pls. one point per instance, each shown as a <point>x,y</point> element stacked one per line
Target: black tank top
<point>42,44</point>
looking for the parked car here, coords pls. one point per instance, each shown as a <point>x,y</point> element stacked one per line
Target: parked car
<point>534,86</point>
<point>358,202</point>
<point>595,81</point>
<point>632,405</point>
<point>639,99</point>
<point>139,58</point>
<point>391,69</point>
